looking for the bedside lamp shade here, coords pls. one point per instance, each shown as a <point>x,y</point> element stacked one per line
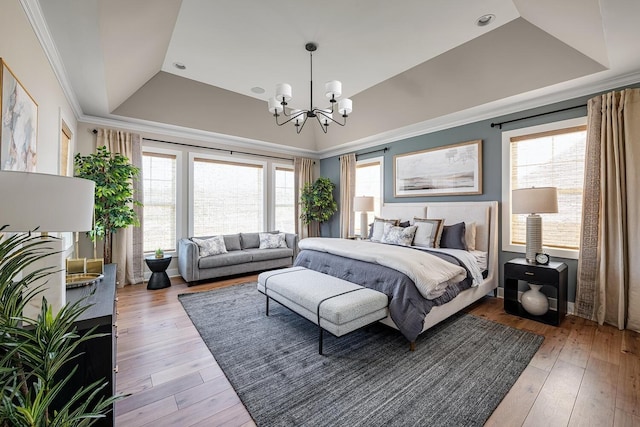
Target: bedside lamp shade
<point>363,204</point>
<point>48,203</point>
<point>533,201</point>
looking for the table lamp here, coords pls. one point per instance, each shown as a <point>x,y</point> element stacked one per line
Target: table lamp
<point>48,203</point>
<point>364,205</point>
<point>533,201</point>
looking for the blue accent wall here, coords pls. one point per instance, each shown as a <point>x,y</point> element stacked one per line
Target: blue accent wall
<point>491,165</point>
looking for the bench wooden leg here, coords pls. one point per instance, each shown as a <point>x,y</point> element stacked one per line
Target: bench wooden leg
<point>320,341</point>
<point>412,346</point>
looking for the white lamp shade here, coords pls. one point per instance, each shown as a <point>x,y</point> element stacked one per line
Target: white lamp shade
<point>333,88</point>
<point>275,106</point>
<point>534,200</point>
<point>50,203</point>
<point>363,204</point>
<point>345,106</point>
<point>283,90</point>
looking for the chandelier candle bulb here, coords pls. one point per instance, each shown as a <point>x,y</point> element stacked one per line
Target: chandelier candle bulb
<point>345,106</point>
<point>334,89</point>
<point>283,90</point>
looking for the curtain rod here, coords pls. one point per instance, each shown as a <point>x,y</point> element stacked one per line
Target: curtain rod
<point>536,115</point>
<point>385,149</point>
<point>219,149</point>
<point>95,131</point>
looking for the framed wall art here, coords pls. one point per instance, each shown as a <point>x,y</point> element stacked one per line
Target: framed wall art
<point>18,124</point>
<point>449,170</point>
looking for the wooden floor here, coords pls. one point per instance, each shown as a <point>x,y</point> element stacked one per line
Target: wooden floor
<point>583,375</point>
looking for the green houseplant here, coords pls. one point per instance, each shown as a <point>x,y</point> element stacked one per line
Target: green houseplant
<point>317,201</point>
<point>35,353</point>
<point>113,175</point>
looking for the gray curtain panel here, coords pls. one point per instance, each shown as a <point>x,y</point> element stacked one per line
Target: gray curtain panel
<point>347,193</point>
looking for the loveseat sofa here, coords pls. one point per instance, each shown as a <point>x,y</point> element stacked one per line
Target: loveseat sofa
<point>243,255</point>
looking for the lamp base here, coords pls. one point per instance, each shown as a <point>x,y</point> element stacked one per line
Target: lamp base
<point>364,232</point>
<point>534,237</point>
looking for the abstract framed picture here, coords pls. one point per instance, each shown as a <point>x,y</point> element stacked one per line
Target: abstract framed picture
<point>451,170</point>
<point>18,124</point>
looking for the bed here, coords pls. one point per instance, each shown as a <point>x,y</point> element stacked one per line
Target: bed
<point>369,264</point>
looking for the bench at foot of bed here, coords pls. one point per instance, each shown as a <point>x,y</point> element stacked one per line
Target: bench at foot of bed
<point>335,305</point>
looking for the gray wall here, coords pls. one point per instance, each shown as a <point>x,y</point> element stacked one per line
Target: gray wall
<point>491,166</point>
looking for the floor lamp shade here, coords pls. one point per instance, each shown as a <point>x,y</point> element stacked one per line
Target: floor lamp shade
<point>533,201</point>
<point>46,203</point>
<point>363,204</point>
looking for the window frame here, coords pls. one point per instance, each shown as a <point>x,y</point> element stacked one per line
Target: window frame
<point>364,163</point>
<point>272,196</point>
<point>507,246</point>
<point>179,183</point>
<point>226,159</point>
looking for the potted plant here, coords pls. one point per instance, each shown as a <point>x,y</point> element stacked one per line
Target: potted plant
<point>113,175</point>
<point>36,354</point>
<point>317,201</point>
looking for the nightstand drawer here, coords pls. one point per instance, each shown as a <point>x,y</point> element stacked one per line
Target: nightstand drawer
<point>530,273</point>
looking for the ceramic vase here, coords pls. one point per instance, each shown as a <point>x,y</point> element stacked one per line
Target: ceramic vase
<point>534,301</point>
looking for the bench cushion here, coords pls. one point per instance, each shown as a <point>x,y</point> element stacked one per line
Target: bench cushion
<point>301,290</point>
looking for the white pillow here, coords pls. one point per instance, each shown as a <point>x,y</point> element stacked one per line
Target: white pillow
<point>402,236</point>
<point>378,228</point>
<point>272,240</point>
<point>428,232</point>
<point>470,235</point>
<point>211,246</point>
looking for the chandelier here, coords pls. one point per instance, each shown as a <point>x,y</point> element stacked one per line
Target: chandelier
<point>324,116</point>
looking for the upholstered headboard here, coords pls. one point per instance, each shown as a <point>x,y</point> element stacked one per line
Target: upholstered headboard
<point>484,214</point>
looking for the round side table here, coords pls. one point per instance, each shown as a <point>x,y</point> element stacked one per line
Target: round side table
<point>158,266</point>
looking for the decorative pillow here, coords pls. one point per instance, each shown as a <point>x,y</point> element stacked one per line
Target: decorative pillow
<point>428,232</point>
<point>402,236</point>
<point>404,224</point>
<point>470,235</point>
<point>378,228</point>
<point>232,242</point>
<point>210,246</point>
<point>453,237</point>
<point>272,241</point>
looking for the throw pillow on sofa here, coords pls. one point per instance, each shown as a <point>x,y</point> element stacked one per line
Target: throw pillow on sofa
<point>272,241</point>
<point>210,246</point>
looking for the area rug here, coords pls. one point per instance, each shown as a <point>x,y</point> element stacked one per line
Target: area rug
<point>459,373</point>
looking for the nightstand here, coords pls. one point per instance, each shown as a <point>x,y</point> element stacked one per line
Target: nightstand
<point>553,277</point>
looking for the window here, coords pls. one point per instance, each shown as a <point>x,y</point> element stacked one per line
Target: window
<point>284,200</point>
<point>227,197</point>
<point>369,183</point>
<point>550,155</point>
<point>160,216</point>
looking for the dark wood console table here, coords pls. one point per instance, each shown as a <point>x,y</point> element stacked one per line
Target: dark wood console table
<point>99,358</point>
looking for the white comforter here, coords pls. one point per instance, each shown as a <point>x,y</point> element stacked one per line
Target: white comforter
<point>430,274</point>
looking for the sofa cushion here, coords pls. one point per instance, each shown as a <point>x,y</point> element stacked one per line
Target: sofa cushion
<point>210,246</point>
<point>250,240</point>
<point>269,254</point>
<point>232,242</point>
<point>272,240</point>
<point>230,258</point>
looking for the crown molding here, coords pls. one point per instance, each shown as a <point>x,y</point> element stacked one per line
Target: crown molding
<point>490,111</point>
<point>145,126</point>
<point>36,19</point>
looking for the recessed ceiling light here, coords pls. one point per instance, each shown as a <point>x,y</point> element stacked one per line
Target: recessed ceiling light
<point>485,20</point>
<point>179,65</point>
<point>257,89</point>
